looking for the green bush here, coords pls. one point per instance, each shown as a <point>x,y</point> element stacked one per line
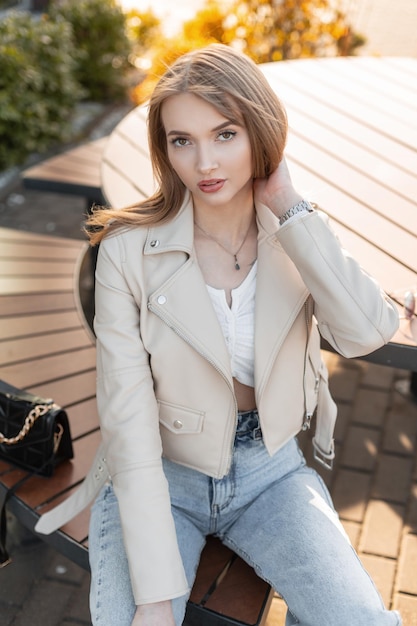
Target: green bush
<point>38,92</point>
<point>99,30</point>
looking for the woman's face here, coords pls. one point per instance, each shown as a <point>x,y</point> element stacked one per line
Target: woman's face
<point>211,155</point>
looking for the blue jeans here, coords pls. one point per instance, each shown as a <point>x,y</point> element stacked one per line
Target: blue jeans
<point>276,513</point>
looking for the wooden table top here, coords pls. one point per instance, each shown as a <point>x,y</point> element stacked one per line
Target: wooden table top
<point>352,148</point>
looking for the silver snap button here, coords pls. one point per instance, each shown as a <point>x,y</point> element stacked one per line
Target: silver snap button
<point>178,424</point>
<point>154,243</point>
<point>161,299</point>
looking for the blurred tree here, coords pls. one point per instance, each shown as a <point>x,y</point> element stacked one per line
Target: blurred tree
<point>99,32</point>
<point>266,30</point>
<point>274,30</point>
<point>38,91</point>
<point>144,29</point>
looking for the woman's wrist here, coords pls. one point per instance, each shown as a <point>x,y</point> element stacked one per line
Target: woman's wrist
<point>301,207</point>
<point>154,614</point>
<point>284,202</point>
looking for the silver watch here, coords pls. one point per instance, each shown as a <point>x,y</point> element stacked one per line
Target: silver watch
<point>301,206</point>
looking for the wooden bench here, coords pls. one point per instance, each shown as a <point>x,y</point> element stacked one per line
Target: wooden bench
<point>48,348</point>
<point>75,171</point>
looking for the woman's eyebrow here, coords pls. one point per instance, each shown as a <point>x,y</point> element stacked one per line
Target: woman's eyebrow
<point>184,133</point>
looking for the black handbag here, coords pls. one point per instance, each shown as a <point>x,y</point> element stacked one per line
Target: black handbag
<point>34,432</point>
<point>34,435</point>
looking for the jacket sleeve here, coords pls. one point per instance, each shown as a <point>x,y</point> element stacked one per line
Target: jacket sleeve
<point>353,313</point>
<point>130,430</point>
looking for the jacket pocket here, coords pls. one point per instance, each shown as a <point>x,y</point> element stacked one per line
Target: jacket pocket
<point>180,420</point>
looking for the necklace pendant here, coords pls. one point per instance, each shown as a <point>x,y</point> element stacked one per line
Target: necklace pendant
<point>237,266</point>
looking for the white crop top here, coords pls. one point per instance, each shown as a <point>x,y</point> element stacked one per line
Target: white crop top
<point>238,325</point>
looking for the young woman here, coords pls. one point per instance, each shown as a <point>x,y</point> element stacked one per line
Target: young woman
<point>210,297</point>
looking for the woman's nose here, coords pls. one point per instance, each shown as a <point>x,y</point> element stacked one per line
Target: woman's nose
<point>206,160</point>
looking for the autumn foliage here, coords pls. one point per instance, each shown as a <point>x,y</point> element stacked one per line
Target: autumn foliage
<point>266,30</point>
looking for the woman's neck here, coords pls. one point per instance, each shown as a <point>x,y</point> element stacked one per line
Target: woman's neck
<point>227,224</point>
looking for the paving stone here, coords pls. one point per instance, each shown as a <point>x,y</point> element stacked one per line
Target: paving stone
<point>382,572</point>
<point>350,494</point>
<point>382,528</point>
<point>393,478</point>
<point>277,612</point>
<point>344,382</point>
<point>344,412</point>
<point>402,401</point>
<point>361,448</point>
<point>374,375</point>
<point>407,566</point>
<point>78,611</point>
<point>407,606</point>
<point>64,570</point>
<point>8,613</point>
<point>353,530</point>
<point>24,572</point>
<point>400,432</point>
<point>370,407</point>
<point>39,610</point>
<point>411,516</point>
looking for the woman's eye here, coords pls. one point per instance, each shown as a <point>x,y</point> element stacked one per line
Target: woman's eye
<point>227,135</point>
<point>179,142</point>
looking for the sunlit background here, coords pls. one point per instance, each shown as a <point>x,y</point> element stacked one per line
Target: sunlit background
<point>172,12</point>
<point>379,20</point>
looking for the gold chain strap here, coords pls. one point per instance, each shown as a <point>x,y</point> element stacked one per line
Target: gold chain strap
<point>33,415</point>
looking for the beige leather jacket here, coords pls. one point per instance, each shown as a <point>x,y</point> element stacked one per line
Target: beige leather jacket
<point>164,378</point>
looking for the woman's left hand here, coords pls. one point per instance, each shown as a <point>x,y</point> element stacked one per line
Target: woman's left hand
<point>277,191</point>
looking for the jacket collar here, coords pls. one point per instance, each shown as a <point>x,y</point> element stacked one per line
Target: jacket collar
<point>177,234</point>
<point>280,292</point>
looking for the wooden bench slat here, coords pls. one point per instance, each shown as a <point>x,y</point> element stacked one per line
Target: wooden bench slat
<point>400,103</point>
<point>38,324</point>
<point>21,251</point>
<point>23,349</point>
<point>31,239</point>
<point>134,128</point>
<point>247,590</point>
<point>45,284</point>
<point>70,390</point>
<point>351,209</point>
<point>317,79</point>
<point>128,193</point>
<point>331,118</point>
<point>39,267</point>
<point>75,165</point>
<point>369,165</point>
<point>214,558</point>
<point>34,372</point>
<point>22,304</point>
<point>136,164</point>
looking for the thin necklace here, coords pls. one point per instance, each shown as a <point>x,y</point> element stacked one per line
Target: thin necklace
<point>234,254</point>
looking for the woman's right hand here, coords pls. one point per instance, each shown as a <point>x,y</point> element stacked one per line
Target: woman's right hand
<point>155,614</point>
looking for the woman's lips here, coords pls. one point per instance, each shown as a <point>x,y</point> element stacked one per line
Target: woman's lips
<point>212,185</point>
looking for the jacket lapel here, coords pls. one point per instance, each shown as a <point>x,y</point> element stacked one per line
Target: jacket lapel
<point>280,295</point>
<point>182,300</point>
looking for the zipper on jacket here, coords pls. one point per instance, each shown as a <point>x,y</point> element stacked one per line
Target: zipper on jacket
<point>184,338</point>
<point>307,414</point>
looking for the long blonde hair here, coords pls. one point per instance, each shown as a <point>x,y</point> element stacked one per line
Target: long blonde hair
<point>237,88</point>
